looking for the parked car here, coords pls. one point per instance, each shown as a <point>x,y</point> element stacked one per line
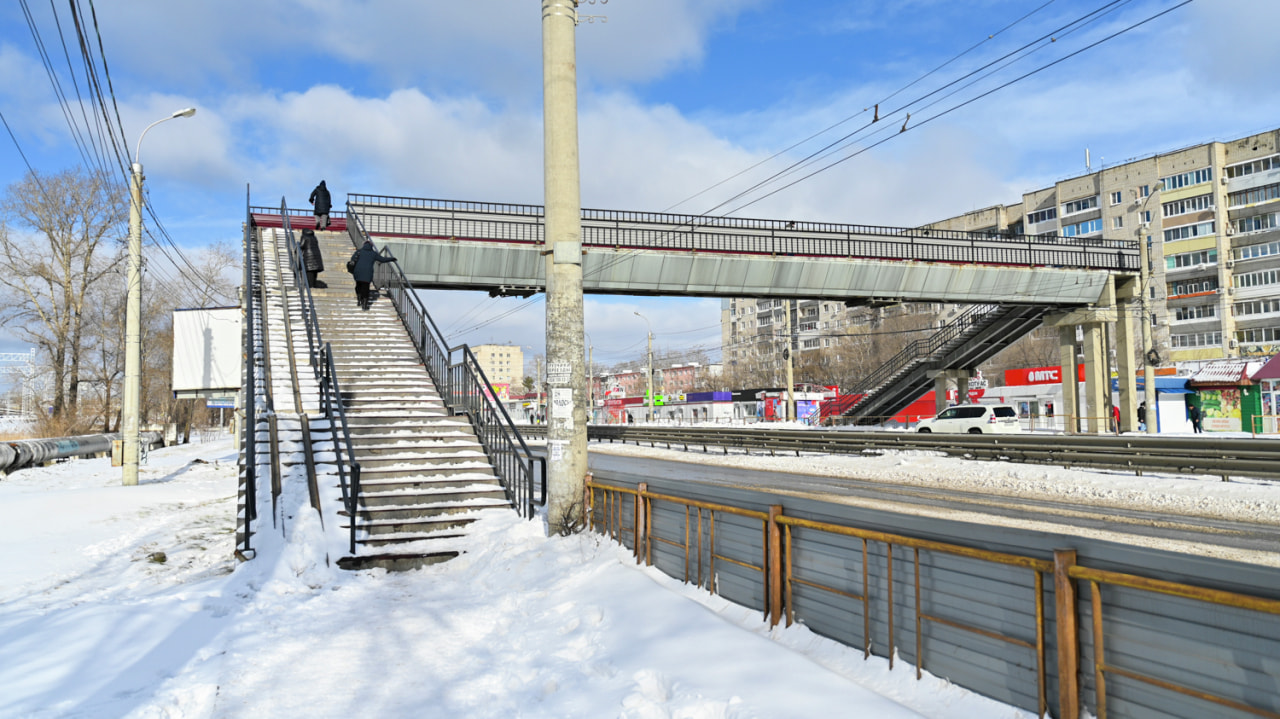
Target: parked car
<point>974,419</point>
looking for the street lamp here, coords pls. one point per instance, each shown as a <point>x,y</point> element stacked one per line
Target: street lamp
<point>133,315</point>
<point>650,373</point>
<point>1144,281</point>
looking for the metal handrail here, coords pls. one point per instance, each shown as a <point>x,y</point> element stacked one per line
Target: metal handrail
<point>463,385</point>
<point>250,442</point>
<point>260,210</point>
<point>922,349</point>
<point>321,355</point>
<point>331,406</point>
<point>303,287</point>
<point>411,217</point>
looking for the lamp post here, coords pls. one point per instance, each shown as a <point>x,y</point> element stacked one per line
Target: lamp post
<point>1144,282</point>
<point>650,372</point>
<point>133,315</point>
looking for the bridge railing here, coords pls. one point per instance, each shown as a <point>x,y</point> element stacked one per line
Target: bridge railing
<point>614,229</point>
<point>462,383</point>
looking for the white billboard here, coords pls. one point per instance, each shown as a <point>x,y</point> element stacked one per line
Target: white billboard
<point>206,351</point>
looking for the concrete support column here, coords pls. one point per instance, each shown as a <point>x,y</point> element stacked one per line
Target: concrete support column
<point>1070,386</point>
<point>940,392</point>
<point>1127,295</point>
<point>962,385</point>
<point>1096,377</point>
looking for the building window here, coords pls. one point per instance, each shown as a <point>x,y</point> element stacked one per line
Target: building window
<point>1266,193</point>
<point>1117,223</point>
<point>1258,335</point>
<point>1087,203</point>
<point>1257,279</point>
<point>1256,307</point>
<point>1251,252</point>
<point>1257,223</point>
<point>808,344</point>
<point>1187,179</point>
<point>1117,197</point>
<point>1192,287</point>
<point>1253,166</point>
<point>1146,215</point>
<point>1199,312</point>
<point>1188,231</point>
<point>1191,204</point>
<point>1196,339</point>
<point>1083,228</point>
<point>1144,190</point>
<point>1042,216</point>
<point>1191,259</point>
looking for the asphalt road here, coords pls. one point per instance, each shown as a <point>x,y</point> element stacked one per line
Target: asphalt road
<point>1066,517</point>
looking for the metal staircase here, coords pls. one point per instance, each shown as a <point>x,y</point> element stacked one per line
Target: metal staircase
<point>973,337</point>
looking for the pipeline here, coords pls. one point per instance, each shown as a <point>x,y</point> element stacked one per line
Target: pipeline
<point>24,453</point>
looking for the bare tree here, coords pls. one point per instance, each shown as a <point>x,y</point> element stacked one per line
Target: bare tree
<point>61,238</point>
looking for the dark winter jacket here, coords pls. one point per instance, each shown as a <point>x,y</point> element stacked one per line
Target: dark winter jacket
<point>320,198</point>
<point>365,258</point>
<point>310,247</point>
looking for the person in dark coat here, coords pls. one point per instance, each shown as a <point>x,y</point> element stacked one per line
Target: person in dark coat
<point>323,203</point>
<point>364,260</point>
<point>312,261</point>
<point>1193,413</point>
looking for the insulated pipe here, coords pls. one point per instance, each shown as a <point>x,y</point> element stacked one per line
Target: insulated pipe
<point>33,452</point>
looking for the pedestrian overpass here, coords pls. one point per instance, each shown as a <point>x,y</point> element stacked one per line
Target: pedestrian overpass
<point>1016,282</point>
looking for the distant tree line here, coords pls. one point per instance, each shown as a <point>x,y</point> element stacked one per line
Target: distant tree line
<point>63,244</point>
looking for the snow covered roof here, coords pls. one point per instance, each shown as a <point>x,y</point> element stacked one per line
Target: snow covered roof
<point>1234,372</point>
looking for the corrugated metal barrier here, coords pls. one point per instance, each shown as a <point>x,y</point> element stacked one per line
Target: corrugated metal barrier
<point>983,618</point>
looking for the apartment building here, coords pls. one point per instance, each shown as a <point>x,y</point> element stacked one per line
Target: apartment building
<point>502,364</point>
<point>1209,217</point>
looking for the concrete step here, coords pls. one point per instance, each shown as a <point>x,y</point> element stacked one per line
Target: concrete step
<point>424,483</point>
<point>389,520</point>
<point>413,499</point>
<point>418,460</point>
<point>479,470</point>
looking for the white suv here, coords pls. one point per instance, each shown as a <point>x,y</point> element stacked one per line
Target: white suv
<point>974,419</point>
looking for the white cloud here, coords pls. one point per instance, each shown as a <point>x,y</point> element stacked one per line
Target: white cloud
<point>493,47</point>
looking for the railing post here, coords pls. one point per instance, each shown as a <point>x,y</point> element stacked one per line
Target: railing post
<point>637,535</point>
<point>1064,593</point>
<point>773,570</point>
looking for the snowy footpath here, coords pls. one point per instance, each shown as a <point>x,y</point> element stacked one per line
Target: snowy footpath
<point>126,602</point>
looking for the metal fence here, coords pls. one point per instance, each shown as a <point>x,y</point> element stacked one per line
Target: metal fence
<point>992,609</point>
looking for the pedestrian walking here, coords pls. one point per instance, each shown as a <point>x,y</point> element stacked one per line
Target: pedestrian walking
<point>1142,416</point>
<point>322,203</point>
<point>312,261</point>
<point>361,267</point>
<point>1193,413</point>
<point>1115,418</point>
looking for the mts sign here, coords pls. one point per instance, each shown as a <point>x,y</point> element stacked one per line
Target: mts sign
<point>1037,375</point>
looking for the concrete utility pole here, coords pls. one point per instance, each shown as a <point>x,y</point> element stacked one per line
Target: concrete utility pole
<point>649,371</point>
<point>130,403</point>
<point>791,381</point>
<point>567,421</point>
<point>1144,286</point>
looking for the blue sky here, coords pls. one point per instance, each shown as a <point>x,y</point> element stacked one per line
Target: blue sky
<point>443,100</point>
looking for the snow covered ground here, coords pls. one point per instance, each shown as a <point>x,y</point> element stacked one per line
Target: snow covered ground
<point>126,602</point>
